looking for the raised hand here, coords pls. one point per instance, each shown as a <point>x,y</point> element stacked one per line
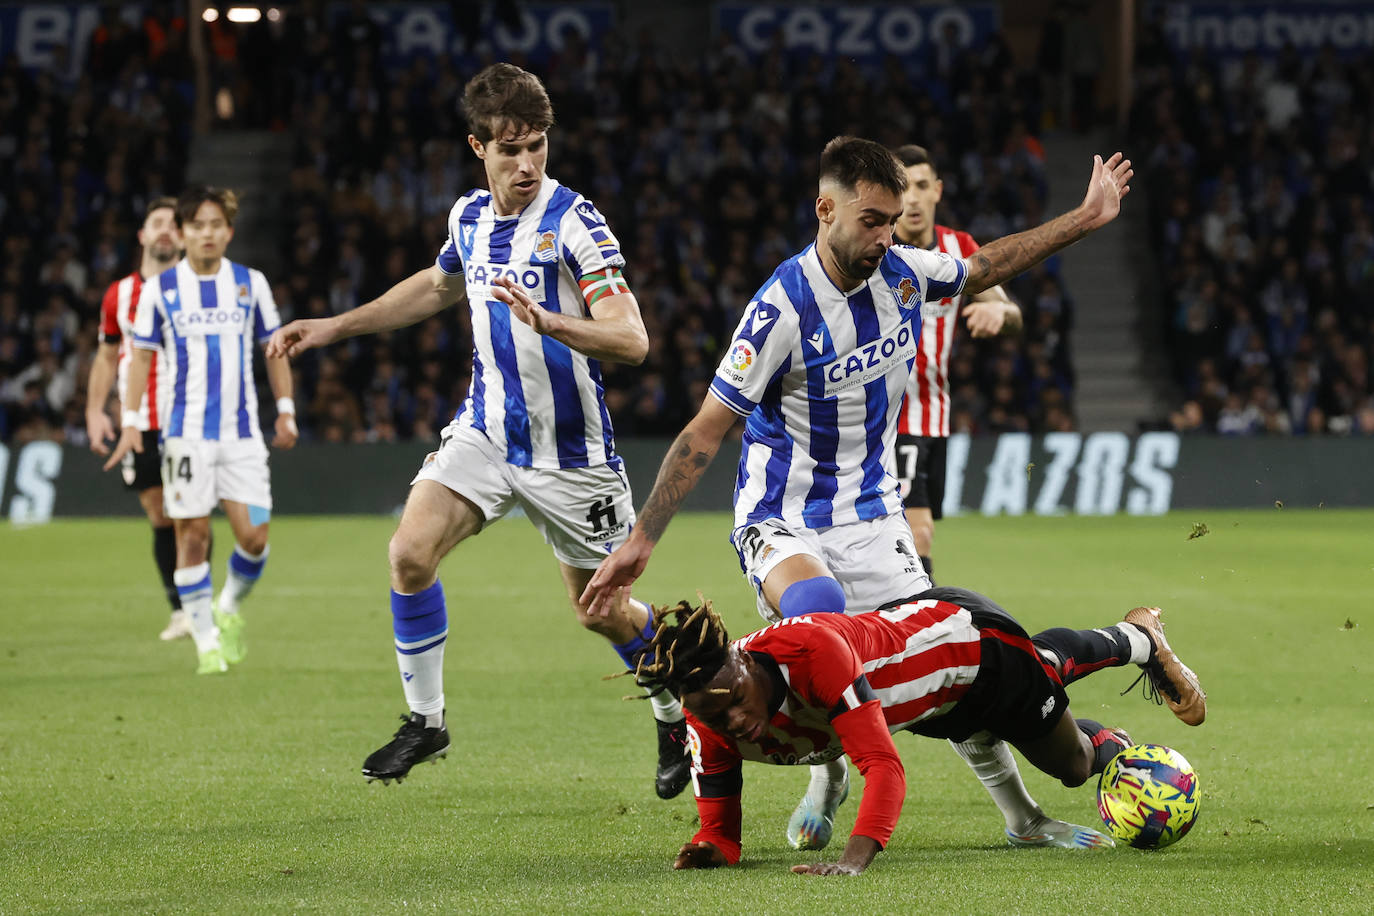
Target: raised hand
<point>1110,182</point>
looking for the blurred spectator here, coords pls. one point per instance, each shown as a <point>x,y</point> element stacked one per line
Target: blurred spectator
<point>703,165</point>
<point>1260,176</point>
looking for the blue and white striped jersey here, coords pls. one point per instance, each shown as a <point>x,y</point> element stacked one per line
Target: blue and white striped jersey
<point>535,398</point>
<point>820,375</point>
<point>205,328</point>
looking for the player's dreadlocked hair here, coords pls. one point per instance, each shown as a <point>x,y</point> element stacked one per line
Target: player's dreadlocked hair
<point>682,657</point>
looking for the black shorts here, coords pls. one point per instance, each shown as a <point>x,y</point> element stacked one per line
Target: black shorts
<point>143,470</point>
<point>921,469</point>
<point>1016,695</point>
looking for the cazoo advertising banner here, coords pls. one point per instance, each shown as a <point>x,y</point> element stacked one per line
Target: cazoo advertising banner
<point>1100,473</point>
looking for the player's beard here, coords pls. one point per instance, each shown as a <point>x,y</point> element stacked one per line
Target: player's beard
<point>164,252</point>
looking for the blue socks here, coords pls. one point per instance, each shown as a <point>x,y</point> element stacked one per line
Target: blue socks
<point>420,622</point>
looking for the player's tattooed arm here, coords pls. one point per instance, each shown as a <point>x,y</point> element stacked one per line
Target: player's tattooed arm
<point>1003,259</point>
<point>682,467</point>
<point>686,461</point>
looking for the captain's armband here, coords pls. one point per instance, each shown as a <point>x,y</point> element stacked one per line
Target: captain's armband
<point>600,284</point>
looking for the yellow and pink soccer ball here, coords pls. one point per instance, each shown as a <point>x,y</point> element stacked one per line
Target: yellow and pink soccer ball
<point>1148,796</point>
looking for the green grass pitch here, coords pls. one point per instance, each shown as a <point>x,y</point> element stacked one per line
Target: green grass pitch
<point>127,784</point>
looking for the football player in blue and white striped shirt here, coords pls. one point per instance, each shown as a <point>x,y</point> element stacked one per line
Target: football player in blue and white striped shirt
<point>204,314</point>
<point>541,274</point>
<point>817,367</point>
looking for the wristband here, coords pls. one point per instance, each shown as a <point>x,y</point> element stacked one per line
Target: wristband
<point>130,418</point>
<point>286,406</point>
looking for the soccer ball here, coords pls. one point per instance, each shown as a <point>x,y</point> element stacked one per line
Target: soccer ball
<point>1148,796</point>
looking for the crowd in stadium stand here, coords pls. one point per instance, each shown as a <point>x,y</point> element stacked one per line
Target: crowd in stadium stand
<point>79,159</point>
<point>1260,178</point>
<point>704,168</point>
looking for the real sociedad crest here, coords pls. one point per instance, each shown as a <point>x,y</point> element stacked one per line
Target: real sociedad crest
<point>546,246</point>
<point>244,298</point>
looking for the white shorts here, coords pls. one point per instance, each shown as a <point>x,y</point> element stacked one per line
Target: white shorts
<point>583,513</point>
<point>874,561</point>
<point>198,473</point>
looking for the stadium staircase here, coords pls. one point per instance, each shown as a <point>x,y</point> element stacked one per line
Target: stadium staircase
<point>1117,355</point>
<point>256,164</point>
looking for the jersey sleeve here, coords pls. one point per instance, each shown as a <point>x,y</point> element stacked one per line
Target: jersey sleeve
<point>759,352</point>
<point>109,315</point>
<point>148,317</point>
<point>717,781</point>
<point>266,317</point>
<point>865,738</point>
<point>587,244</point>
<point>967,244</point>
<point>944,275</point>
<point>450,259</point>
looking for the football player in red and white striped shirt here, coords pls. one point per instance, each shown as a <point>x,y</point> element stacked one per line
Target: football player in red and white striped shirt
<point>948,663</point>
<point>923,426</point>
<point>160,240</point>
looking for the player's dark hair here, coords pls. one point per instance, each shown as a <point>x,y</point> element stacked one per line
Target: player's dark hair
<point>191,199</point>
<point>503,97</point>
<point>910,154</point>
<point>684,656</point>
<point>850,160</point>
<point>158,203</point>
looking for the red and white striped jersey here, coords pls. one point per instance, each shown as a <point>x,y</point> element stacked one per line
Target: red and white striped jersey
<point>916,661</point>
<point>925,408</point>
<point>117,326</point>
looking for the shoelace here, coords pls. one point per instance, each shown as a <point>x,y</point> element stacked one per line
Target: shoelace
<point>1150,690</point>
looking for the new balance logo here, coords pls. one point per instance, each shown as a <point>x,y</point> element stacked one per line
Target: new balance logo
<point>1047,708</point>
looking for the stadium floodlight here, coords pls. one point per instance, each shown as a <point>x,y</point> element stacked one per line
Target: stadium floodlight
<point>273,14</point>
<point>210,15</point>
<point>244,14</point>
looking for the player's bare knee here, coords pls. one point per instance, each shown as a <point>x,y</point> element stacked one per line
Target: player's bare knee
<point>923,536</point>
<point>412,565</point>
<point>255,542</point>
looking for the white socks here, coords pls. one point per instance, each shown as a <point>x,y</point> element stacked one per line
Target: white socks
<point>194,589</point>
<point>996,769</point>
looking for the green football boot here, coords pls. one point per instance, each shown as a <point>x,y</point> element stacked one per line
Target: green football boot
<point>212,662</point>
<point>230,636</point>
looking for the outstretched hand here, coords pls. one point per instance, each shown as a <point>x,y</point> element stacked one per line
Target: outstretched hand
<point>612,580</point>
<point>539,319</point>
<point>303,334</point>
<point>699,855</point>
<point>1110,182</point>
<point>826,868</point>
